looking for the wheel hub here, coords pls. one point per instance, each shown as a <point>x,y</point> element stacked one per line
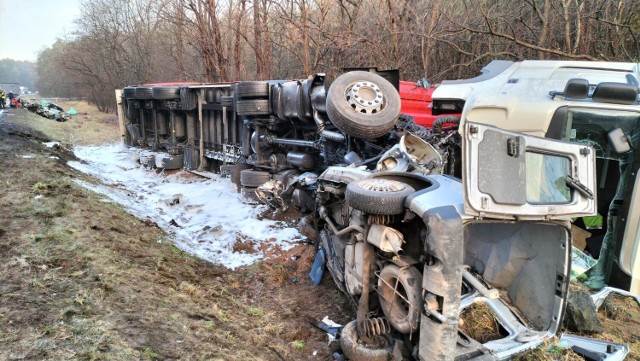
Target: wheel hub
<point>365,97</point>
<point>382,185</point>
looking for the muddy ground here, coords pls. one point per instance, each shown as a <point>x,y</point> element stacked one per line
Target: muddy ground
<point>82,279</point>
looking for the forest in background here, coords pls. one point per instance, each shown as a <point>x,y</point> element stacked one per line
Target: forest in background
<point>21,72</point>
<point>125,42</point>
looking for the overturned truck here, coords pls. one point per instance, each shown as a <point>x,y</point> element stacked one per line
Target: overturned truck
<point>414,247</point>
<point>257,131</point>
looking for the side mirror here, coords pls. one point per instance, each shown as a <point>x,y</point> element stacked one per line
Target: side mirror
<point>620,142</point>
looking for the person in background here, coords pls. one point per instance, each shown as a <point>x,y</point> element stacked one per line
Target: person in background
<point>3,98</point>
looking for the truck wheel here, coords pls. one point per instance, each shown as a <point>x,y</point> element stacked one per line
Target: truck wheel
<point>169,162</point>
<point>400,297</point>
<point>252,89</point>
<point>165,92</point>
<point>235,174</point>
<point>143,92</point>
<point>378,196</point>
<point>253,178</point>
<point>355,351</point>
<point>363,104</point>
<point>129,92</point>
<point>253,107</point>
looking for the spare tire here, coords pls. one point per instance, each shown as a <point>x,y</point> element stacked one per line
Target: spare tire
<point>378,195</point>
<point>253,178</point>
<point>400,291</point>
<point>356,351</point>
<point>252,89</point>
<point>363,104</point>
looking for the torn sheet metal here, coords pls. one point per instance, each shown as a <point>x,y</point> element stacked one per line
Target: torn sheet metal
<point>270,193</point>
<point>599,297</point>
<point>592,349</point>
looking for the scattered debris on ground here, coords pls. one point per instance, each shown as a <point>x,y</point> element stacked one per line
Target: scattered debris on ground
<point>47,109</point>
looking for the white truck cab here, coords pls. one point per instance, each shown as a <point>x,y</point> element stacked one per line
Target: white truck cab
<point>594,103</point>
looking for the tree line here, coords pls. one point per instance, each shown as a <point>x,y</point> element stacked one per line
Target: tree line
<point>126,42</point>
<point>21,72</point>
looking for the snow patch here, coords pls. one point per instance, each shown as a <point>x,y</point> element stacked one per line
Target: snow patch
<point>51,144</point>
<point>205,217</point>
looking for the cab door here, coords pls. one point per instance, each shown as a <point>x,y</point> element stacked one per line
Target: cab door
<point>510,175</point>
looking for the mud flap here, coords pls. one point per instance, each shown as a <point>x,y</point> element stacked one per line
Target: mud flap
<point>441,284</point>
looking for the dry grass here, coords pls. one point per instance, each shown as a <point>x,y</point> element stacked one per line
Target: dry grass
<point>88,127</point>
<point>82,279</point>
<point>620,317</point>
<point>480,323</point>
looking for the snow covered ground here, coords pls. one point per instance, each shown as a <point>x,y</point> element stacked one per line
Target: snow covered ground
<point>204,216</point>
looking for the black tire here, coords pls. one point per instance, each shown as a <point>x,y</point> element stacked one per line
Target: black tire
<point>376,115</point>
<point>403,316</point>
<point>378,195</point>
<point>129,92</point>
<point>253,178</point>
<point>147,160</point>
<point>235,173</point>
<point>188,99</point>
<point>354,350</point>
<point>144,92</point>
<point>250,196</point>
<point>169,162</point>
<point>253,107</point>
<point>252,89</point>
<point>165,92</point>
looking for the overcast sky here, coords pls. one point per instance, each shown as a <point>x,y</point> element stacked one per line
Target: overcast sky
<point>29,26</point>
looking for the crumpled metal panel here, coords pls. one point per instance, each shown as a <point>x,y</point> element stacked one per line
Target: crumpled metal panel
<point>441,283</point>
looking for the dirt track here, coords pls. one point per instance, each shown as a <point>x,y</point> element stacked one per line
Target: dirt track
<point>82,279</point>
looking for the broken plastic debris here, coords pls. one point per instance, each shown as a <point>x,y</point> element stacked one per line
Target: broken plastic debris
<point>580,262</point>
<point>332,329</point>
<point>317,269</point>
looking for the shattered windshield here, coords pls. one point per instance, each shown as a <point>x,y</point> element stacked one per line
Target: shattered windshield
<point>591,126</point>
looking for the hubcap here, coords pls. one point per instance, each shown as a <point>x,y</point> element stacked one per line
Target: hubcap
<point>382,185</point>
<point>365,97</point>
